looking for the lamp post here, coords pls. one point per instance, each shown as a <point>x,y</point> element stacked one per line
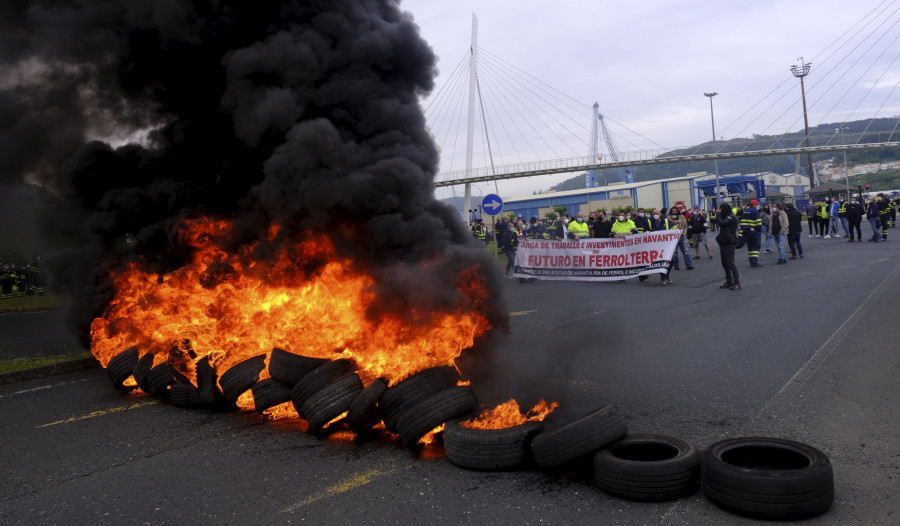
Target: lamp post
<point>715,161</point>
<point>801,71</point>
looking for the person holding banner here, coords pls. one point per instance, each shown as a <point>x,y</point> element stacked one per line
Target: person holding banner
<point>727,240</point>
<point>679,222</point>
<point>602,227</point>
<point>657,222</point>
<point>623,228</point>
<point>578,229</point>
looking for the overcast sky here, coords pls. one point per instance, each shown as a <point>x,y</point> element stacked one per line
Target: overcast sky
<point>648,63</point>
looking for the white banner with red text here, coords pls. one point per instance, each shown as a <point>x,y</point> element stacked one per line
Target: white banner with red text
<point>595,259</point>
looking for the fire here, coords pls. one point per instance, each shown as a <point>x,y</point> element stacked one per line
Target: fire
<point>431,436</point>
<point>508,414</point>
<point>229,306</point>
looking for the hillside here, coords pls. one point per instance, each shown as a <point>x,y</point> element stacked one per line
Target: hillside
<point>875,130</point>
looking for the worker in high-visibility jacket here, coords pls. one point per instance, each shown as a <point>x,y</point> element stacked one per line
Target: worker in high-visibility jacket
<point>579,228</point>
<point>751,227</point>
<point>884,213</point>
<point>623,227</point>
<point>479,231</point>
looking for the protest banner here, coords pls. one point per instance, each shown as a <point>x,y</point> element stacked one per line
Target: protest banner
<point>594,259</point>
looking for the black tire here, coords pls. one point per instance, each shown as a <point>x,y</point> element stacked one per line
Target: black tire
<point>327,404</point>
<point>768,478</point>
<point>648,468</point>
<point>185,395</point>
<point>364,412</point>
<point>159,379</point>
<point>489,449</point>
<point>428,414</point>
<point>581,437</point>
<point>240,377</point>
<point>207,382</point>
<point>413,390</point>
<point>269,393</point>
<point>318,379</point>
<point>142,370</point>
<point>289,368</point>
<point>121,367</point>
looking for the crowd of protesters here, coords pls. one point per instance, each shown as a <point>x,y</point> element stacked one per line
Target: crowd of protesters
<point>778,226</point>
<point>18,281</point>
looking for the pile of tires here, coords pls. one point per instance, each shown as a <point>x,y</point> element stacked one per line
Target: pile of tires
<point>758,477</point>
<point>323,392</point>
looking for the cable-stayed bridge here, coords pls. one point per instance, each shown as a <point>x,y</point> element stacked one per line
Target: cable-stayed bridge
<point>630,159</point>
<point>518,118</point>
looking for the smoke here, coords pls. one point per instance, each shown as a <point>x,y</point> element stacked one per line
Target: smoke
<point>136,115</point>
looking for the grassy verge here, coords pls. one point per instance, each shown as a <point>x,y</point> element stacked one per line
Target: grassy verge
<point>16,304</point>
<point>19,364</point>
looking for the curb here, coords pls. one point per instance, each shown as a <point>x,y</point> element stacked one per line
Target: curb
<point>49,370</point>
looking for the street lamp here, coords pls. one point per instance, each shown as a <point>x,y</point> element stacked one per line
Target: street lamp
<point>715,161</point>
<point>801,71</point>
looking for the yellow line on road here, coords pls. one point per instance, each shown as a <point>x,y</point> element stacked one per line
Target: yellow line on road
<point>344,486</point>
<point>521,312</point>
<point>102,412</point>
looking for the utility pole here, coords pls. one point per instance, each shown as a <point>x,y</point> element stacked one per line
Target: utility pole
<point>715,161</point>
<point>801,71</point>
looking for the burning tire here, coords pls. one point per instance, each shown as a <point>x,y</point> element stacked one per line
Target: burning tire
<point>289,368</point>
<point>241,377</point>
<point>121,367</point>
<point>649,468</point>
<point>269,393</point>
<point>206,382</point>
<point>428,414</point>
<point>142,370</point>
<point>185,395</point>
<point>768,478</point>
<point>581,437</point>
<point>318,379</point>
<point>159,379</point>
<point>327,404</point>
<point>489,449</point>
<point>413,390</point>
<point>364,412</point>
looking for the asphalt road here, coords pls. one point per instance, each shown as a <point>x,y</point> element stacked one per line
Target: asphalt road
<point>804,351</point>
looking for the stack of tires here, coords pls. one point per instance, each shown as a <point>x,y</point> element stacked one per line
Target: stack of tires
<point>322,391</point>
<point>764,478</point>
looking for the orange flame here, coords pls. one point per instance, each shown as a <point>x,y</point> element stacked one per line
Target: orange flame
<point>228,307</point>
<point>508,414</point>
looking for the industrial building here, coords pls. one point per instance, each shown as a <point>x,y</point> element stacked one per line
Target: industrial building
<point>692,189</point>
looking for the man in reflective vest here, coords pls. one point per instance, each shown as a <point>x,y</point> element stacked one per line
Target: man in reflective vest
<point>479,231</point>
<point>884,214</point>
<point>751,226</point>
<point>579,229</point>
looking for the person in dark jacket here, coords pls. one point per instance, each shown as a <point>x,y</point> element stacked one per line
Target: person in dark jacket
<point>727,239</point>
<point>812,214</point>
<point>854,213</point>
<point>872,214</point>
<point>795,230</point>
<point>602,226</point>
<point>508,242</point>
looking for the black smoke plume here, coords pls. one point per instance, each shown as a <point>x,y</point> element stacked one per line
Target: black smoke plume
<point>138,114</point>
